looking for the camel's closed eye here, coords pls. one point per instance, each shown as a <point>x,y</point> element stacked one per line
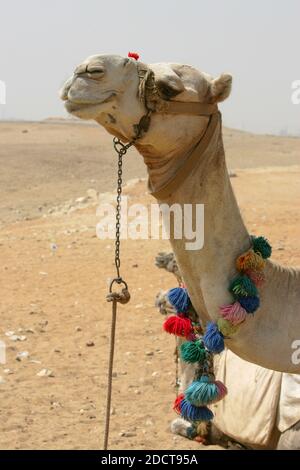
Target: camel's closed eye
<point>95,71</point>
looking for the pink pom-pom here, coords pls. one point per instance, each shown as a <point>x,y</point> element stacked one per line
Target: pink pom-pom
<point>257,277</point>
<point>222,389</point>
<point>234,313</point>
<point>178,325</point>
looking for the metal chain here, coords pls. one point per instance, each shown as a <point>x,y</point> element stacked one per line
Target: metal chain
<point>121,150</point>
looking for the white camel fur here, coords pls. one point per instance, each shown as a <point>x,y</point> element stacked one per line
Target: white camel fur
<point>105,89</point>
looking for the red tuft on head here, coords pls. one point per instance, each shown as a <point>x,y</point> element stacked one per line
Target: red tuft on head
<point>134,55</point>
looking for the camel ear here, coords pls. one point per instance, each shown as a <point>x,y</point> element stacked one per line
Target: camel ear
<point>220,88</point>
<point>168,83</point>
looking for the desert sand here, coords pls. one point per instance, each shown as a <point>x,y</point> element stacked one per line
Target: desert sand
<point>55,274</point>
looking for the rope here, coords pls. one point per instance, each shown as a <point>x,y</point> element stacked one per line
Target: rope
<point>110,371</point>
<point>176,367</point>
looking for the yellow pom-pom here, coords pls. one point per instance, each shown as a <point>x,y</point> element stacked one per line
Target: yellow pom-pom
<point>250,260</point>
<point>226,328</point>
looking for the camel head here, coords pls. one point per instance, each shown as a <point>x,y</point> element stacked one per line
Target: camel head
<point>110,89</point>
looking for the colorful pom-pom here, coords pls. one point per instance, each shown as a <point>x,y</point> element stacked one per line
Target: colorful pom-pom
<point>179,299</point>
<point>226,328</point>
<point>234,313</point>
<point>257,277</point>
<point>193,351</point>
<point>250,304</point>
<point>134,55</point>
<point>250,260</point>
<point>202,392</point>
<point>195,413</point>
<point>177,403</point>
<point>242,286</point>
<point>213,339</point>
<point>262,246</point>
<point>178,325</point>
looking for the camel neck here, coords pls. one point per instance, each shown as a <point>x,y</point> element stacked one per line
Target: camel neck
<point>225,235</point>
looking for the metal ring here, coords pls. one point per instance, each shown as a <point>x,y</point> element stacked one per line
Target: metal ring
<point>117,280</point>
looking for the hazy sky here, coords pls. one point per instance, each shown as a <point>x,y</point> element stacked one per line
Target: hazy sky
<point>258,41</point>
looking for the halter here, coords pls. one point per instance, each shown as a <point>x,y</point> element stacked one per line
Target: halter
<point>154,103</point>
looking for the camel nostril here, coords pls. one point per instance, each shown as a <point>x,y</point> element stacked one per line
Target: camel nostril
<point>63,94</point>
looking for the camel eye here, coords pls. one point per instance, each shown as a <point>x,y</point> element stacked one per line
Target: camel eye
<point>95,71</point>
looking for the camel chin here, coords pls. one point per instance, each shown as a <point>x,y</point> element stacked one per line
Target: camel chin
<point>83,111</point>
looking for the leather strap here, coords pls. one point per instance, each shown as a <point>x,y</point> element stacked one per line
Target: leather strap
<point>183,172</point>
<point>180,107</point>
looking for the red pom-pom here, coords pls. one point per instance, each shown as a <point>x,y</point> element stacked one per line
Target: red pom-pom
<point>178,325</point>
<point>134,55</point>
<point>177,403</point>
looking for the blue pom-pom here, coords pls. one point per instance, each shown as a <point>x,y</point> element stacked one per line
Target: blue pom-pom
<point>202,392</point>
<point>195,413</point>
<point>213,338</point>
<point>179,299</point>
<point>250,304</point>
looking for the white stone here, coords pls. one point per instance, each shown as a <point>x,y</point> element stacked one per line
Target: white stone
<point>45,373</point>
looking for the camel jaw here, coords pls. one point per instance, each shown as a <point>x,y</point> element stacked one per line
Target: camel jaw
<point>77,108</point>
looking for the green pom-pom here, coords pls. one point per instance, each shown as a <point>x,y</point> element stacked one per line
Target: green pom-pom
<point>193,351</point>
<point>262,246</point>
<point>242,286</point>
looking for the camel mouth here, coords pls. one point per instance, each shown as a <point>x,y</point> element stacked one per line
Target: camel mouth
<point>73,107</point>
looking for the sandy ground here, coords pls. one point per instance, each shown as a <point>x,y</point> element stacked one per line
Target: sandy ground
<point>56,300</point>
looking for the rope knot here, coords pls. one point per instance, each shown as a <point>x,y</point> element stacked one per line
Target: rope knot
<point>122,297</point>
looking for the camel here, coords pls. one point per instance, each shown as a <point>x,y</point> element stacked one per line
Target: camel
<point>156,107</point>
<point>272,398</point>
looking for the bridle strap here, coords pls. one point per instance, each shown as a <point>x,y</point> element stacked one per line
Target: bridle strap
<point>188,165</point>
<point>192,108</point>
<point>155,104</point>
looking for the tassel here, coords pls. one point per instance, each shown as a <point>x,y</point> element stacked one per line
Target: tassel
<point>250,260</point>
<point>226,328</point>
<point>178,325</point>
<point>234,313</point>
<point>242,286</point>
<point>250,304</point>
<point>257,277</point>
<point>222,389</point>
<point>134,55</point>
<point>177,403</point>
<point>213,339</point>
<point>195,413</point>
<point>179,299</point>
<point>193,351</point>
<point>262,246</point>
<point>202,392</point>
